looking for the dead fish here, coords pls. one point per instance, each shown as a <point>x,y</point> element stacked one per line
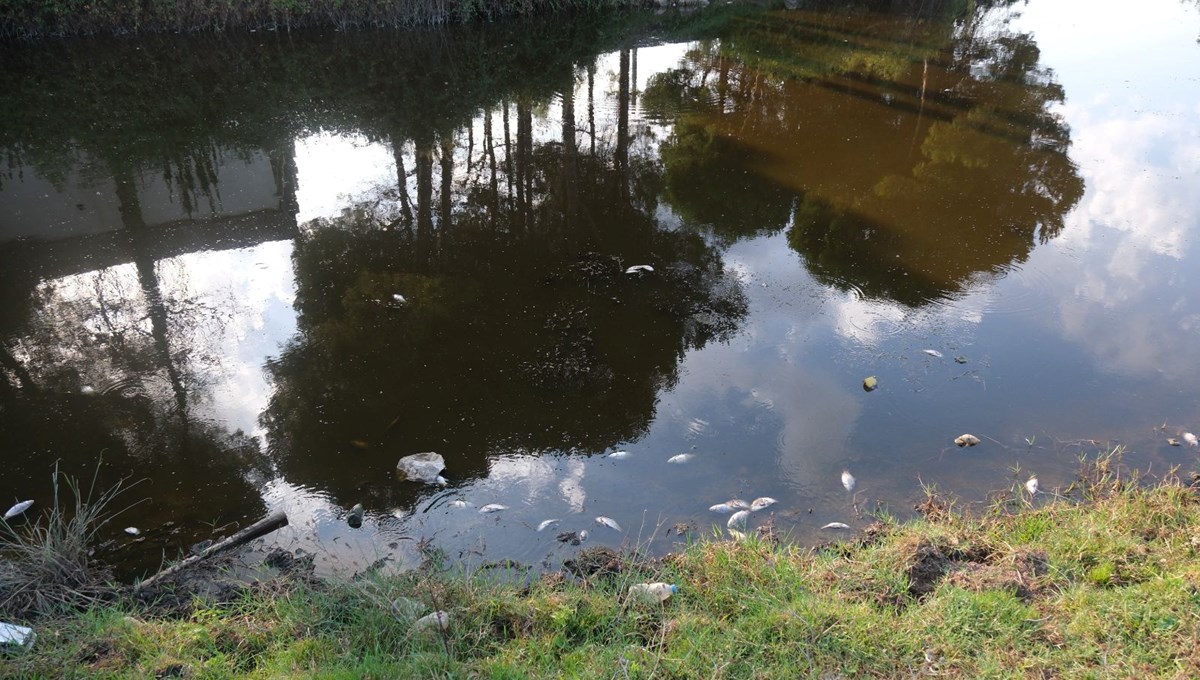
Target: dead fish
<point>1190,439</point>
<point>441,481</point>
<point>87,390</point>
<point>737,535</point>
<point>738,520</point>
<point>583,535</point>
<point>738,504</point>
<point>398,298</point>
<point>546,523</point>
<point>492,507</point>
<point>17,509</point>
<point>966,440</point>
<point>761,503</point>
<point>132,531</point>
<point>618,455</point>
<point>639,268</point>
<point>933,353</point>
<point>1032,485</point>
<point>458,503</point>
<point>1172,441</point>
<point>848,480</point>
<point>836,525</point>
<point>681,458</point>
<point>722,508</point>
<point>608,522</point>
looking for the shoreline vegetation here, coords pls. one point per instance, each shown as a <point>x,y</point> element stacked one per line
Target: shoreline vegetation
<point>42,19</point>
<point>1097,579</point>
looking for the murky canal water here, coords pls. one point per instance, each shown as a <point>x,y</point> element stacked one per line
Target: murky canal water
<point>255,272</point>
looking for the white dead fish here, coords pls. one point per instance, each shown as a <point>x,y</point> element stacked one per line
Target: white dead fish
<point>438,619</point>
<point>608,522</point>
<point>848,480</point>
<point>836,525</point>
<point>1032,485</point>
<point>1172,441</point>
<point>398,298</point>
<point>618,455</point>
<point>933,353</point>
<point>639,268</point>
<point>492,507</point>
<point>132,531</point>
<point>737,535</point>
<point>582,535</point>
<point>762,503</point>
<point>721,508</point>
<point>681,458</point>
<point>966,440</point>
<point>738,520</point>
<point>441,481</point>
<point>738,504</point>
<point>458,503</point>
<point>1190,439</point>
<point>546,523</point>
<point>87,390</point>
<point>17,509</point>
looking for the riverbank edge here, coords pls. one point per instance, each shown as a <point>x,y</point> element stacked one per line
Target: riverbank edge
<point>1100,578</point>
<point>38,20</point>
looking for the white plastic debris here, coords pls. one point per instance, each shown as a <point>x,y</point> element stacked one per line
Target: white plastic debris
<point>12,634</point>
<point>652,593</point>
<point>438,619</point>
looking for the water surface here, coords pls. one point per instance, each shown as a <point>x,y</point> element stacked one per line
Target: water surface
<point>202,242</point>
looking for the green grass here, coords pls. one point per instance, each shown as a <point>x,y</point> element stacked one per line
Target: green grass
<point>1107,587</point>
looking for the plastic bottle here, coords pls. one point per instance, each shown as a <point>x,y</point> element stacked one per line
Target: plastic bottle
<point>652,593</point>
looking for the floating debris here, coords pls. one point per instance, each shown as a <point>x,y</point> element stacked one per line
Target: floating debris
<point>132,531</point>
<point>492,507</point>
<point>639,269</point>
<point>1032,485</point>
<point>848,480</point>
<point>546,523</point>
<point>360,444</point>
<point>458,503</point>
<point>21,636</point>
<point>966,440</point>
<point>17,509</point>
<point>355,518</point>
<point>1172,441</point>
<point>406,608</point>
<point>762,503</point>
<point>201,547</point>
<point>870,383</point>
<point>681,458</point>
<point>438,619</point>
<point>836,525</point>
<point>652,593</point>
<point>738,520</point>
<point>960,359</point>
<point>572,537</point>
<point>1190,439</point>
<point>618,455</point>
<point>933,353</point>
<point>422,467</point>
<point>608,522</point>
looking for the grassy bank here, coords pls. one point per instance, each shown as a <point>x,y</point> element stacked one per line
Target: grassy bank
<point>33,19</point>
<point>1102,585</point>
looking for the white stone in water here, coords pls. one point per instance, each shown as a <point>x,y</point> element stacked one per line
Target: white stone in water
<point>422,467</point>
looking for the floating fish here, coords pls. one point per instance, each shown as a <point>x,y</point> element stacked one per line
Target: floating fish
<point>933,353</point>
<point>737,535</point>
<point>608,522</point>
<point>639,269</point>
<point>458,503</point>
<point>441,481</point>
<point>583,535</point>
<point>966,440</point>
<point>1032,485</point>
<point>681,458</point>
<point>132,531</point>
<point>17,509</point>
<point>618,455</point>
<point>1190,439</point>
<point>848,480</point>
<point>722,508</point>
<point>761,503</point>
<point>738,520</point>
<point>738,504</point>
<point>398,298</point>
<point>546,523</point>
<point>836,525</point>
<point>88,390</point>
<point>1172,441</point>
<point>492,507</point>
<point>870,383</point>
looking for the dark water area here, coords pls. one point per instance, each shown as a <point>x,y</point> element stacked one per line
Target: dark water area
<point>252,272</point>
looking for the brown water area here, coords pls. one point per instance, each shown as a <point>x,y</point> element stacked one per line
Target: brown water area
<point>252,272</point>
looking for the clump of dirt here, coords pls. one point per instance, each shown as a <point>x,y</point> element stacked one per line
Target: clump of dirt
<point>934,508</point>
<point>927,565</point>
<point>598,561</point>
<point>1022,575</point>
